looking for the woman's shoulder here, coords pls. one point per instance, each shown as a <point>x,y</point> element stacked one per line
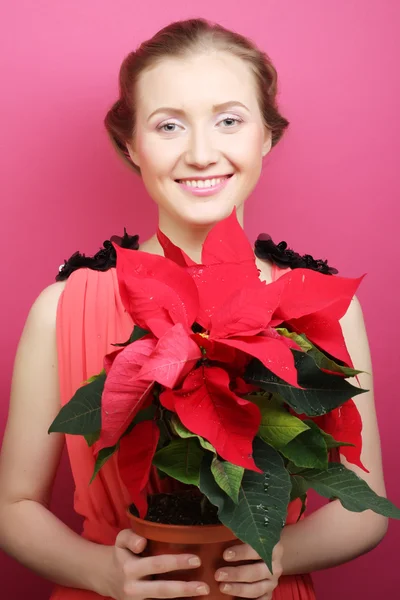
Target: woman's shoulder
<point>103,260</point>
<point>264,248</point>
<point>287,258</point>
<point>43,311</point>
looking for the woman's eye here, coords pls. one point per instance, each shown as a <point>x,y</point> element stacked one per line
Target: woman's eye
<point>231,121</point>
<point>170,127</point>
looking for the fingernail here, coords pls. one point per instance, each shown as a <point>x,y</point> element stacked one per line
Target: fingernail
<point>226,587</point>
<point>222,575</point>
<point>195,562</point>
<point>202,589</point>
<point>229,555</point>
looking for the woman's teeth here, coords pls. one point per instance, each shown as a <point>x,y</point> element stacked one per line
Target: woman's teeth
<point>203,183</point>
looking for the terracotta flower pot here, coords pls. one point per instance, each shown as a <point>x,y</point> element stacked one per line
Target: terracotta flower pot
<point>206,541</point>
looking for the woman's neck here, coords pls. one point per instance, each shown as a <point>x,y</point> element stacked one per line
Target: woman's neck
<point>191,241</point>
<point>187,238</point>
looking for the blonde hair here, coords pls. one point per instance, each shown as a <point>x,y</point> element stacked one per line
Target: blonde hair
<point>179,39</point>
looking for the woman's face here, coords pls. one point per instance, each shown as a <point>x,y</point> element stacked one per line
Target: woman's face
<point>199,136</point>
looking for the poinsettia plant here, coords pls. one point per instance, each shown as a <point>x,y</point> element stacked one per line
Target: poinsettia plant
<point>228,384</point>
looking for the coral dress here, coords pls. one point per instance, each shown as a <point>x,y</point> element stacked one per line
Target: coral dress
<point>90,318</point>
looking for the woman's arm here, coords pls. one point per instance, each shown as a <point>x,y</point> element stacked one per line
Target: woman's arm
<point>333,535</point>
<point>28,530</point>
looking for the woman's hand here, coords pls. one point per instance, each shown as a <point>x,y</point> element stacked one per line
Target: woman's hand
<point>131,573</point>
<point>250,581</point>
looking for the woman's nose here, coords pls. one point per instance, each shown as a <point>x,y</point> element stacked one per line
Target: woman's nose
<point>201,150</point>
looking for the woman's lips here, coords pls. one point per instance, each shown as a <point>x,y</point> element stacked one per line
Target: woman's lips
<point>205,191</point>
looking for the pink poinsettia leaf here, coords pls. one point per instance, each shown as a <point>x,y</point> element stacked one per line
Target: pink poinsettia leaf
<point>207,407</point>
<point>135,456</point>
<point>109,359</point>
<point>173,252</point>
<point>155,291</point>
<point>124,394</point>
<point>173,357</point>
<point>274,354</point>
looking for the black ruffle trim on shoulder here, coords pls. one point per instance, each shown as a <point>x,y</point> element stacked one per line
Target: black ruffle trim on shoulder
<point>284,257</point>
<point>264,248</point>
<point>103,260</point>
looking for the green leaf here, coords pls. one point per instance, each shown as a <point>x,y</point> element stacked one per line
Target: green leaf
<point>137,333</point>
<point>299,488</point>
<point>308,449</point>
<point>300,339</point>
<point>82,414</point>
<point>353,492</point>
<point>322,361</point>
<point>323,392</point>
<point>278,427</point>
<point>261,512</point>
<point>329,440</point>
<point>102,458</point>
<point>183,432</point>
<point>94,377</point>
<point>181,460</point>
<point>228,477</point>
<point>146,414</point>
<point>91,438</point>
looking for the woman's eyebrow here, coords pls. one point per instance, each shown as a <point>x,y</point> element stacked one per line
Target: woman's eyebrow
<point>216,108</point>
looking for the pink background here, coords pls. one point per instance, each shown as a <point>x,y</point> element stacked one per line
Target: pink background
<point>330,188</point>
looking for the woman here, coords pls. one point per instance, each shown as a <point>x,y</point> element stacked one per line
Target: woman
<point>196,115</point>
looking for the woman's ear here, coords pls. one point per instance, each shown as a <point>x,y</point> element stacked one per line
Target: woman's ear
<point>133,154</point>
<point>267,143</point>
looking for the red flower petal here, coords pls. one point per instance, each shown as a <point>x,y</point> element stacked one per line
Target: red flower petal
<point>227,243</point>
<point>324,332</point>
<point>135,456</point>
<point>305,292</point>
<point>155,291</point>
<point>217,283</point>
<point>173,252</point>
<point>173,357</point>
<point>345,425</point>
<point>246,313</point>
<point>207,407</point>
<point>274,354</point>
<point>123,394</point>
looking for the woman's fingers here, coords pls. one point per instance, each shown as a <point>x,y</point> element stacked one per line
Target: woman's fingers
<point>167,589</point>
<point>127,539</point>
<point>164,563</point>
<point>248,590</point>
<point>245,573</point>
<point>240,552</point>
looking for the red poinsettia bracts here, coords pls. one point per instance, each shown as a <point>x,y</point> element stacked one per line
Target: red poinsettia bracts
<point>206,406</point>
<point>136,451</point>
<point>237,314</point>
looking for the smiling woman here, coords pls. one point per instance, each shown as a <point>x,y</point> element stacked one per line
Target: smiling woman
<point>195,116</point>
<point>197,103</point>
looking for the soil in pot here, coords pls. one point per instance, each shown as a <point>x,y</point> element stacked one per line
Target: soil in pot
<point>192,527</point>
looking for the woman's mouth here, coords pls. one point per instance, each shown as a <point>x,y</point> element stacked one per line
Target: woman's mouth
<point>204,187</point>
